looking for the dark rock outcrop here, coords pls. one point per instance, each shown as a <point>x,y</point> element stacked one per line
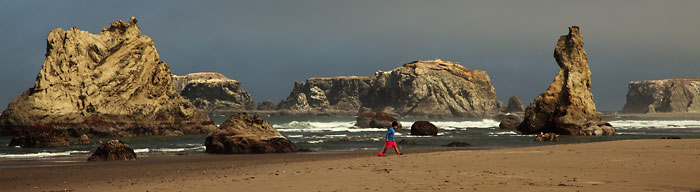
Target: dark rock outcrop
<point>267,105</point>
<point>547,137</point>
<point>247,133</point>
<point>39,136</point>
<point>510,122</point>
<point>113,150</point>
<point>333,95</point>
<point>433,88</point>
<point>109,84</point>
<point>681,95</point>
<point>514,105</point>
<point>213,92</point>
<point>567,106</point>
<point>423,128</point>
<point>369,119</point>
<point>457,144</point>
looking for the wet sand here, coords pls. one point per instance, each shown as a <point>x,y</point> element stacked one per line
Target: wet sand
<point>628,165</point>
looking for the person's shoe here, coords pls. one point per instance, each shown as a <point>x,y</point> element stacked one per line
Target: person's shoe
<point>380,154</point>
<point>400,153</point>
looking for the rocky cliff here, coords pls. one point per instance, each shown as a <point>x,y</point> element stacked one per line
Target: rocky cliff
<point>567,106</point>
<point>109,84</point>
<point>668,95</point>
<point>213,92</point>
<point>335,95</point>
<point>433,88</point>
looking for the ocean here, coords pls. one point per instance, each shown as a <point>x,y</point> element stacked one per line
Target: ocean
<point>325,134</point>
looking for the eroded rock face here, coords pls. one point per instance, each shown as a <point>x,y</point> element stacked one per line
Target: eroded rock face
<point>423,128</point>
<point>567,105</point>
<point>433,88</point>
<point>369,119</point>
<point>213,92</point>
<point>335,95</point>
<point>247,133</point>
<point>681,95</point>
<point>109,84</point>
<point>509,122</point>
<point>113,150</point>
<point>514,105</point>
<point>39,136</point>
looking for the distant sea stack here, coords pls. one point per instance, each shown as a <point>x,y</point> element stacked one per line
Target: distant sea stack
<point>680,95</point>
<point>337,95</point>
<point>213,92</point>
<point>514,105</point>
<point>109,84</point>
<point>420,88</point>
<point>567,106</point>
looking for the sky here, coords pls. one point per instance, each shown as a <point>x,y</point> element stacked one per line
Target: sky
<point>268,45</point>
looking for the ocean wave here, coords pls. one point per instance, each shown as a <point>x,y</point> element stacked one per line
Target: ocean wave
<point>349,126</point>
<point>170,150</point>
<point>659,124</point>
<point>503,133</point>
<point>41,154</point>
<point>452,125</point>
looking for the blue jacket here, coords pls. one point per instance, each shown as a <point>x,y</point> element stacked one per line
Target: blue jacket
<point>390,134</point>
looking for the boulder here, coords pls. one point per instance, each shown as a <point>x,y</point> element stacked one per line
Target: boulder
<point>108,84</point>
<point>247,133</point>
<point>547,137</point>
<point>678,95</point>
<point>213,92</point>
<point>434,88</point>
<point>267,105</point>
<point>369,119</point>
<point>510,122</point>
<point>514,105</point>
<point>423,128</point>
<point>39,136</point>
<point>567,105</point>
<point>113,150</point>
<point>340,95</point>
<point>84,139</point>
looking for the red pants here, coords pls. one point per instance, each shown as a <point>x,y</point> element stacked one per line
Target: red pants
<point>390,144</point>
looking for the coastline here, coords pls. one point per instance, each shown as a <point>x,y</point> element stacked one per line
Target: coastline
<point>633,165</point>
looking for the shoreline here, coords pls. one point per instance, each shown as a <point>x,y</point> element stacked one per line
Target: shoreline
<point>651,164</point>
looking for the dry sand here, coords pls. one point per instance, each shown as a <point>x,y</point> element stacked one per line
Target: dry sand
<point>630,165</point>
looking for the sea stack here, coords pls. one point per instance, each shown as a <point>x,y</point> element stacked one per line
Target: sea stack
<point>337,95</point>
<point>567,106</point>
<point>514,105</point>
<point>213,92</point>
<point>676,95</point>
<point>110,84</point>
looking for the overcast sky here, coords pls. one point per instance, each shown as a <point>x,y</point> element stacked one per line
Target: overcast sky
<point>268,45</point>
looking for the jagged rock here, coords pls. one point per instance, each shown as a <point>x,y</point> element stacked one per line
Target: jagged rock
<point>39,136</point>
<point>668,95</point>
<point>423,128</point>
<point>267,105</point>
<point>369,119</point>
<point>433,88</point>
<point>547,137</point>
<point>109,84</point>
<point>337,94</point>
<point>113,150</point>
<point>567,105</point>
<point>510,122</point>
<point>457,144</point>
<point>514,105</point>
<point>84,139</point>
<point>247,133</point>
<point>213,92</point>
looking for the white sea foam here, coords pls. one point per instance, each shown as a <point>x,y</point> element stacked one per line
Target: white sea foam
<point>503,133</point>
<point>349,126</point>
<point>314,142</point>
<point>170,150</point>
<point>659,124</point>
<point>452,125</point>
<point>41,154</point>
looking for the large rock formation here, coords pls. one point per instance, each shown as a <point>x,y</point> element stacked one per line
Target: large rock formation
<point>247,133</point>
<point>213,92</point>
<point>423,128</point>
<point>567,106</point>
<point>668,95</point>
<point>433,88</point>
<point>333,95</point>
<point>369,119</point>
<point>109,84</point>
<point>509,122</point>
<point>420,88</point>
<point>514,105</point>
<point>113,150</point>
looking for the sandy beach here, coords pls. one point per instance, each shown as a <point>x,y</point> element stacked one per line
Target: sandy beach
<point>628,165</point>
